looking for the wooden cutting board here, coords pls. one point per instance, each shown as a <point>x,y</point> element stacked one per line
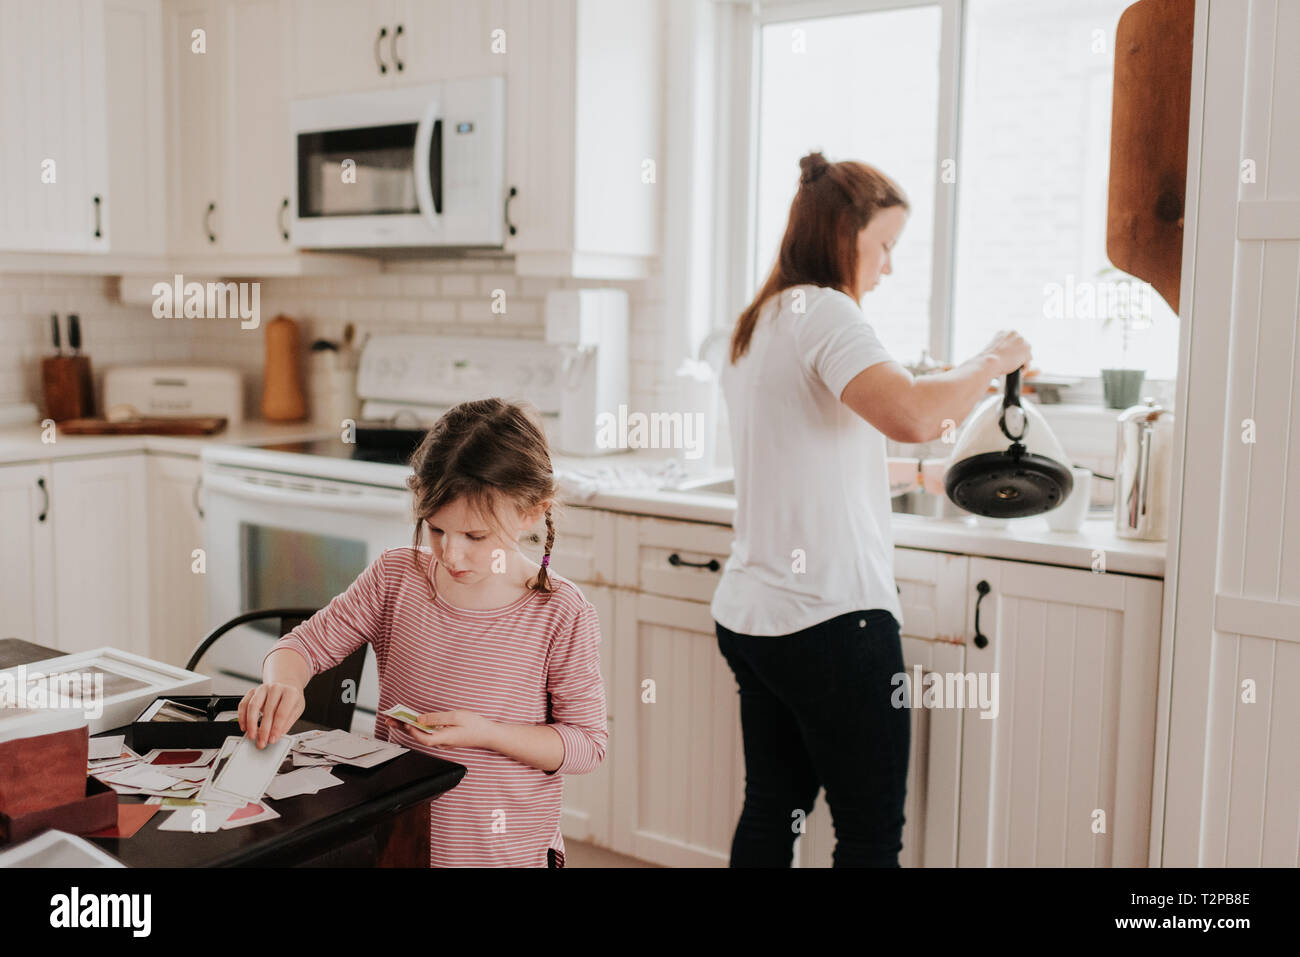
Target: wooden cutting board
<point>180,425</point>
<point>1150,108</point>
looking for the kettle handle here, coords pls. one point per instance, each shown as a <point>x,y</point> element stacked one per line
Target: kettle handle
<point>1009,400</point>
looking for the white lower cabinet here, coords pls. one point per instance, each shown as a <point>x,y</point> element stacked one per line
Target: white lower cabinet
<point>27,555</point>
<point>1063,660</point>
<point>101,588</point>
<point>177,586</point>
<point>679,764</point>
<point>1062,776</point>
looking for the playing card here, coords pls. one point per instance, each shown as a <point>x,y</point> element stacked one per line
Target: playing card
<point>139,776</point>
<point>210,820</point>
<point>252,813</point>
<point>407,716</point>
<point>106,747</point>
<point>250,769</point>
<point>375,757</point>
<point>301,781</point>
<point>342,744</point>
<point>179,757</point>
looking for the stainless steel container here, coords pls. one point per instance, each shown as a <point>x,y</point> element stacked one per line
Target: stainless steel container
<point>1143,461</point>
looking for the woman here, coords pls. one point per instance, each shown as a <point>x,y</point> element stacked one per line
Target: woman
<point>807,611</point>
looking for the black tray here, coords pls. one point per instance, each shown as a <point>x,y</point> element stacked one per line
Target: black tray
<point>148,735</point>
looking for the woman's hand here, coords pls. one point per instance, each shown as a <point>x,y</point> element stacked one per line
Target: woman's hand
<point>269,710</point>
<point>1010,349</point>
<point>453,729</point>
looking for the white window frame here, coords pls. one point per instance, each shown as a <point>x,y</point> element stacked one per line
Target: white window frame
<point>737,44</point>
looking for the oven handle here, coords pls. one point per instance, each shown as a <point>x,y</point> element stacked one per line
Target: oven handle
<point>428,137</point>
<point>215,483</point>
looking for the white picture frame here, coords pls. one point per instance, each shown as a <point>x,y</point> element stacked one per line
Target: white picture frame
<point>56,848</point>
<point>130,683</point>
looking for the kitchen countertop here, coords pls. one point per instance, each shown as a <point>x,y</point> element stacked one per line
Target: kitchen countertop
<point>1026,539</point>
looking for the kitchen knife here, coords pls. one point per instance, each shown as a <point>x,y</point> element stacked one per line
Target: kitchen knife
<point>74,334</point>
<point>54,322</point>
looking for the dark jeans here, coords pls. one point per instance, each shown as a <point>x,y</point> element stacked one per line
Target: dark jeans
<point>550,857</point>
<point>815,713</point>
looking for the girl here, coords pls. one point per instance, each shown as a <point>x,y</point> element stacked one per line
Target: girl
<point>497,652</point>
<point>807,612</point>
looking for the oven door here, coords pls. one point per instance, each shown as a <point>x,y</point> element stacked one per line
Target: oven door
<point>276,540</point>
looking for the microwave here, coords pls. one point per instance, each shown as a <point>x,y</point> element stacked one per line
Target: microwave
<point>418,167</point>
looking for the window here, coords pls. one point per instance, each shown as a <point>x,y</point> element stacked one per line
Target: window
<point>1033,171</point>
<point>1018,240</point>
<point>862,86</point>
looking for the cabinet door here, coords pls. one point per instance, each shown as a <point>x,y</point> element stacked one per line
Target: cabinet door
<point>540,119</point>
<point>933,773</point>
<point>26,560</point>
<point>1062,775</point>
<point>177,593</point>
<point>51,105</point>
<point>101,587</point>
<point>342,46</point>
<point>448,39</point>
<point>256,160</point>
<point>198,136</point>
<point>681,767</point>
<point>587,813</point>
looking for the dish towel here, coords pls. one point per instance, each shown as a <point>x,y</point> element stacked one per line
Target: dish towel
<point>583,484</point>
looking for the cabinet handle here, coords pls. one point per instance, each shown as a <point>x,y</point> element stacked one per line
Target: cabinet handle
<point>198,484</point>
<point>510,227</point>
<point>383,32</point>
<point>397,61</point>
<point>980,640</point>
<point>207,222</point>
<point>712,564</point>
<point>45,508</point>
<point>284,208</point>
<point>99,202</point>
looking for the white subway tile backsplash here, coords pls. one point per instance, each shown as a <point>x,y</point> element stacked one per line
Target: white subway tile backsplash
<point>459,286</point>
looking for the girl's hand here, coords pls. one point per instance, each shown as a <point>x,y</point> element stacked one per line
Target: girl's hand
<point>269,710</point>
<point>453,729</point>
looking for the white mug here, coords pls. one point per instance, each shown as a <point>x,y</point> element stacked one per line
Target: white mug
<point>1070,514</point>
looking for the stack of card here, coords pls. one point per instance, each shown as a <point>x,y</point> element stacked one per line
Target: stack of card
<point>341,747</point>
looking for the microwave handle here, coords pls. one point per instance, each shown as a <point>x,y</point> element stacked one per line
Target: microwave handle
<point>428,176</point>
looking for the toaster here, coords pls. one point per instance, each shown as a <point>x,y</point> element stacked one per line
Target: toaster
<point>173,390</point>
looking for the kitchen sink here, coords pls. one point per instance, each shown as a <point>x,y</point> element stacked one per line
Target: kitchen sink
<point>713,487</point>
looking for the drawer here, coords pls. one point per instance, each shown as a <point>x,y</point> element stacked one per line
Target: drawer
<point>675,559</point>
<point>932,591</point>
<point>584,544</point>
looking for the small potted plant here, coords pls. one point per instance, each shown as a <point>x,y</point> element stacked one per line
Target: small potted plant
<point>1122,386</point>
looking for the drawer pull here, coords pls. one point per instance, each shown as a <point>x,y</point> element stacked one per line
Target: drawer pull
<point>712,564</point>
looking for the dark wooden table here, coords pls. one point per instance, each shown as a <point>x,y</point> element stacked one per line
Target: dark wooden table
<point>379,817</point>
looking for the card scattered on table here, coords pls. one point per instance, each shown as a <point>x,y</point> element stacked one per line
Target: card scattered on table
<point>301,781</point>
<point>109,746</point>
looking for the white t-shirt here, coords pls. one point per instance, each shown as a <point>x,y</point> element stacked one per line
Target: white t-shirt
<point>813,536</point>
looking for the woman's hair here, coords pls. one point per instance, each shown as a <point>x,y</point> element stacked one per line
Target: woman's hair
<point>493,454</point>
<point>834,203</point>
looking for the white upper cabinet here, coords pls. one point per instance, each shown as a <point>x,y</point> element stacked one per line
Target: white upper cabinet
<point>346,46</point>
<point>583,116</point>
<point>228,118</point>
<point>80,106</point>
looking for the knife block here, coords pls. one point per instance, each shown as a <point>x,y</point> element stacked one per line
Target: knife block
<point>69,391</point>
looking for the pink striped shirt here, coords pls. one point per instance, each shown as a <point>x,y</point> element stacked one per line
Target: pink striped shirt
<point>534,661</point>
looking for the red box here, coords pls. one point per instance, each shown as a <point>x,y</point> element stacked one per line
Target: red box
<point>98,809</point>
